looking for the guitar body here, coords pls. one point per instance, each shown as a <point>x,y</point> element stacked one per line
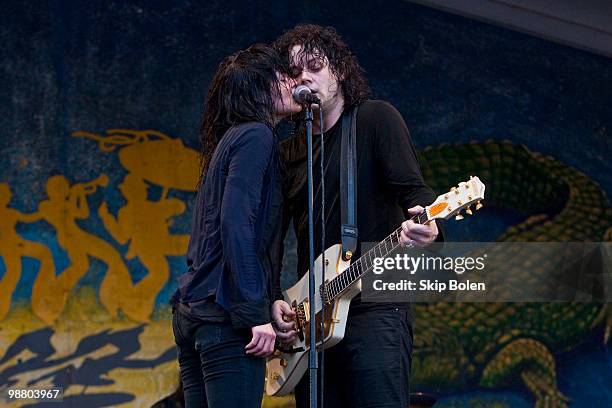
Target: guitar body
<point>342,283</point>
<point>285,369</point>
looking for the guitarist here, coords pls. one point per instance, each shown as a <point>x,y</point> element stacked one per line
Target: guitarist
<point>370,367</point>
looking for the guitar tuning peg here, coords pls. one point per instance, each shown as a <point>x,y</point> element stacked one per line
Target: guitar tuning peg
<point>478,205</point>
<point>459,217</point>
<point>468,210</point>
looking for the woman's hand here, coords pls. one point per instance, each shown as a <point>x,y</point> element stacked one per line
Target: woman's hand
<point>262,344</point>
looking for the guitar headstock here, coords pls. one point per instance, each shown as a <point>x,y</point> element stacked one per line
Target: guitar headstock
<point>458,198</point>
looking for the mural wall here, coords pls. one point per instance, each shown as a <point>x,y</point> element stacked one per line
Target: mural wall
<point>93,321</point>
<point>99,160</point>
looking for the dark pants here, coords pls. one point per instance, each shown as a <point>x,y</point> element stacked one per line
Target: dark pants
<point>370,367</point>
<point>215,370</point>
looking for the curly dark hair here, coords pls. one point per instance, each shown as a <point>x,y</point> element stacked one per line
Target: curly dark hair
<point>325,42</point>
<point>242,90</point>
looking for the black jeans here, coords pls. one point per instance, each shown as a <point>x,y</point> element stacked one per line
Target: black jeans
<point>215,370</point>
<point>370,367</point>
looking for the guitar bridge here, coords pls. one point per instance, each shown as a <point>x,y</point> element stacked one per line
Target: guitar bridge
<point>300,319</point>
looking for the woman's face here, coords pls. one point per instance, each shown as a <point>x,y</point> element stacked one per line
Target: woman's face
<point>284,104</point>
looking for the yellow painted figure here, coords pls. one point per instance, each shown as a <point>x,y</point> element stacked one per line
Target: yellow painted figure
<point>13,248</point>
<point>145,224</point>
<point>64,206</point>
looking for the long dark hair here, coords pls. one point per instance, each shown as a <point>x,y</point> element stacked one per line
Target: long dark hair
<point>242,90</point>
<point>326,42</point>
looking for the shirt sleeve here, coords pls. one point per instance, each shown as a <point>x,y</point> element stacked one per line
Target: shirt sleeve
<point>395,152</point>
<point>249,303</point>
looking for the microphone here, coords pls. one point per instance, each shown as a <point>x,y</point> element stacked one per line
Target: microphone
<point>303,95</point>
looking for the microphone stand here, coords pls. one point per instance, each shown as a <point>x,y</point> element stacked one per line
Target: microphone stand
<point>312,363</point>
<point>323,262</point>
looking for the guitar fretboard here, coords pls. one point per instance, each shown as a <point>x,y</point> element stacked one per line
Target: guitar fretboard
<point>336,286</point>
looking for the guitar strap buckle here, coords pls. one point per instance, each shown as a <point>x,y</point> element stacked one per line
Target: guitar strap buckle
<point>349,241</point>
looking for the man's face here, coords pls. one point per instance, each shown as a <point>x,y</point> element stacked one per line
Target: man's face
<point>313,71</point>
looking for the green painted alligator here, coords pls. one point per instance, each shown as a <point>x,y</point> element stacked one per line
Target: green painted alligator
<point>458,345</point>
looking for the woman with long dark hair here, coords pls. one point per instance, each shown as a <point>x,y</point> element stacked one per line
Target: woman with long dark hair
<point>222,306</point>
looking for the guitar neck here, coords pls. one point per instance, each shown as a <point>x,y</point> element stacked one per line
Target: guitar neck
<point>336,286</point>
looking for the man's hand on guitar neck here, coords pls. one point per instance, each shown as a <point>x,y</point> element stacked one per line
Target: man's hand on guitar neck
<point>418,234</point>
<point>283,317</point>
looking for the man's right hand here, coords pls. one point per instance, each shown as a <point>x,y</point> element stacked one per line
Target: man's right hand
<point>283,317</point>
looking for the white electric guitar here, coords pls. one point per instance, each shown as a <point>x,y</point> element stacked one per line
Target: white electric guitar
<point>343,282</point>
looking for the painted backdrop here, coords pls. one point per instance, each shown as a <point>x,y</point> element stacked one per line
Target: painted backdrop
<point>100,106</point>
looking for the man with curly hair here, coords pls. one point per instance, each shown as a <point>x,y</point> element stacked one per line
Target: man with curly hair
<point>371,365</point>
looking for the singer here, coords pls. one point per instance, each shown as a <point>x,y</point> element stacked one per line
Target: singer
<point>222,325</point>
<point>370,367</point>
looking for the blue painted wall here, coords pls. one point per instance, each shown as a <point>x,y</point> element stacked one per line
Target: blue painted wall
<point>98,65</point>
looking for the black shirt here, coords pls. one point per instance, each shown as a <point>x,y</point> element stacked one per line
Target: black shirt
<point>389,180</point>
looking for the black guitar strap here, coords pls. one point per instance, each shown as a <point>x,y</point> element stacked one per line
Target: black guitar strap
<point>348,188</point>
